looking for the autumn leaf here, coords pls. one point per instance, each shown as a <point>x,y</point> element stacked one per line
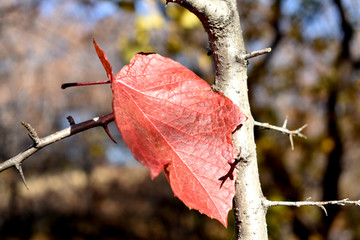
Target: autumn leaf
<point>173,121</point>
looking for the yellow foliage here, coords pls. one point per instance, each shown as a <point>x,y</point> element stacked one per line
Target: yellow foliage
<point>173,11</point>
<point>141,41</point>
<point>149,22</point>
<point>174,43</point>
<point>185,18</point>
<point>96,150</point>
<point>316,236</point>
<point>188,20</point>
<point>129,48</point>
<point>204,61</point>
<point>127,6</point>
<point>327,145</point>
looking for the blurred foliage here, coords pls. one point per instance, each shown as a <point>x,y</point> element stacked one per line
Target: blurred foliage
<point>127,5</point>
<point>86,188</point>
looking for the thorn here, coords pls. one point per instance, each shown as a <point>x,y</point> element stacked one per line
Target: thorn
<point>19,168</point>
<point>291,141</point>
<point>299,131</point>
<point>71,120</point>
<point>285,122</point>
<point>324,209</point>
<point>105,126</point>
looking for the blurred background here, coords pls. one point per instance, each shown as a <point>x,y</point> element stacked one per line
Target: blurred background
<point>86,187</point>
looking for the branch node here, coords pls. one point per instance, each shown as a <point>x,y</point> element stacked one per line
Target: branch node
<point>71,120</point>
<point>19,168</point>
<point>256,53</point>
<point>32,133</point>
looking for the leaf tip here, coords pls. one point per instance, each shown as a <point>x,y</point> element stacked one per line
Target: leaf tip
<point>104,61</point>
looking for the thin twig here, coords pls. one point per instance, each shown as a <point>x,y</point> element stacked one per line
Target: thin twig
<point>320,204</point>
<point>284,129</point>
<point>39,143</point>
<point>256,53</point>
<point>71,120</point>
<point>32,133</point>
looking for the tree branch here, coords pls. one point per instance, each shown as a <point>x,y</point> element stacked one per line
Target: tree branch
<point>39,143</point>
<point>320,204</point>
<point>283,129</point>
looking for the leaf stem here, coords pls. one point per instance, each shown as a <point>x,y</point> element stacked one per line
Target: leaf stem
<point>80,84</point>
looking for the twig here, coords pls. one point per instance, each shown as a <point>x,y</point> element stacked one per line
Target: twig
<point>283,129</point>
<point>256,53</point>
<point>39,143</point>
<point>32,133</point>
<point>320,204</point>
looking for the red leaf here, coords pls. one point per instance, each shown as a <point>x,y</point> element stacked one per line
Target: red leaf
<point>173,121</point>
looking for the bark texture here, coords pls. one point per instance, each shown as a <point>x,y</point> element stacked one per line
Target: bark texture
<point>221,21</point>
